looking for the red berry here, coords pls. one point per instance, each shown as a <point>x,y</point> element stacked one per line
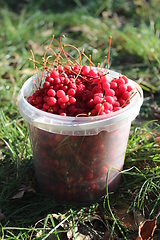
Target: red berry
<point>50,80</point>
<point>54,74</point>
<point>109,92</point>
<point>56,87</point>
<point>55,108</point>
<point>65,99</point>
<point>96,89</point>
<point>122,88</point>
<point>113,85</point>
<point>57,81</point>
<point>72,100</point>
<point>94,112</point>
<point>60,93</point>
<point>109,99</point>
<point>121,101</point>
<point>98,99</point>
<point>116,104</point>
<point>106,85</point>
<point>99,107</point>
<point>125,79</point>
<point>39,106</point>
<point>51,101</point>
<point>63,105</point>
<point>72,109</point>
<point>108,106</point>
<point>30,99</point>
<point>120,81</point>
<point>89,175</point>
<point>116,109</point>
<point>72,85</point>
<point>76,68</point>
<point>92,73</point>
<point>84,70</point>
<point>39,99</point>
<point>91,103</point>
<point>62,111</point>
<point>126,95</point>
<point>63,114</point>
<point>103,79</point>
<point>64,88</point>
<point>60,69</point>
<point>71,92</point>
<point>89,95</point>
<point>66,81</point>
<point>46,85</point>
<point>45,98</point>
<point>45,106</point>
<point>51,93</point>
<point>129,88</point>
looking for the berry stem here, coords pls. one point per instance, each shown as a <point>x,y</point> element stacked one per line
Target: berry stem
<point>109,51</point>
<point>60,43</point>
<point>80,56</point>
<point>133,93</point>
<point>33,82</point>
<point>104,62</point>
<point>87,58</point>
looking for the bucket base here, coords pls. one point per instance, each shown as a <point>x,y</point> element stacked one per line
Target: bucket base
<point>78,196</point>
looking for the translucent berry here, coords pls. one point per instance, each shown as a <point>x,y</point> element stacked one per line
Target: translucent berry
<point>51,93</point>
<point>126,95</point>
<point>122,88</point>
<point>60,93</point>
<point>46,84</point>
<point>51,101</point>
<point>54,74</point>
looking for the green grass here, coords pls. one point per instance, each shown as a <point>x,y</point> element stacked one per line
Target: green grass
<point>134,28</point>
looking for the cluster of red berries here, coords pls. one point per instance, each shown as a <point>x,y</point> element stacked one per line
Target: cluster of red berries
<point>80,90</point>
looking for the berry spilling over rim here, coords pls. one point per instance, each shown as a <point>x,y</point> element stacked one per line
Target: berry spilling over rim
<point>73,89</point>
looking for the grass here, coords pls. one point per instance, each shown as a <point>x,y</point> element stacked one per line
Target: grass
<point>134,28</point>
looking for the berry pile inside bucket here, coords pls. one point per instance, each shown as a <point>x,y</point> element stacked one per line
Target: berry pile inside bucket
<point>73,169</point>
<point>73,89</point>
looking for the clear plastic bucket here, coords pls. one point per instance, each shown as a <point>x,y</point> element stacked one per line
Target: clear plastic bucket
<point>72,155</point>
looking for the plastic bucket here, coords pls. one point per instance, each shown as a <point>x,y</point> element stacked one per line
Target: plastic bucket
<point>72,155</point>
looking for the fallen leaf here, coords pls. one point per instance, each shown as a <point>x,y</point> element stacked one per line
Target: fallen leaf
<point>18,195</point>
<point>27,189</point>
<point>147,228</point>
<point>22,190</point>
<point>127,218</point>
<point>157,140</point>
